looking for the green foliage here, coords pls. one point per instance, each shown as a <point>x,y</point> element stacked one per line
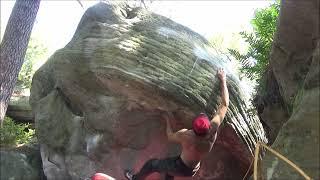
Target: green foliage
<point>255,61</point>
<point>36,51</point>
<point>12,134</point>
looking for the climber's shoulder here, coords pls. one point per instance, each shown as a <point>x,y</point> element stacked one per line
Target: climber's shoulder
<point>186,134</point>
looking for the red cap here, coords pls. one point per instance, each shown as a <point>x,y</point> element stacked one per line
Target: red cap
<point>201,125</point>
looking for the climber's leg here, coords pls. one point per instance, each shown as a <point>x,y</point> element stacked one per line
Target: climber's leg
<point>153,165</point>
<point>169,177</point>
<point>170,166</point>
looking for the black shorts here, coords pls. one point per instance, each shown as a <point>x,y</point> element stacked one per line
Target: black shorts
<point>171,167</point>
<point>174,166</point>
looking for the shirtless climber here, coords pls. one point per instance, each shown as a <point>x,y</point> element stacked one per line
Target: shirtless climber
<point>196,143</point>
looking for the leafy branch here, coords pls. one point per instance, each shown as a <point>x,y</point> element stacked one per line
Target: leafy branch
<point>255,61</point>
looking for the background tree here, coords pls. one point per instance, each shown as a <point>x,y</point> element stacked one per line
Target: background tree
<point>13,47</point>
<point>255,61</point>
<point>36,52</point>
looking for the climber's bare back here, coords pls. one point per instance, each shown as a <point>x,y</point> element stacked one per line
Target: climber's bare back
<point>194,147</point>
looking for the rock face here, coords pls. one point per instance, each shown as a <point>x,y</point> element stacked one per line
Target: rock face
<point>21,163</point>
<point>96,102</point>
<point>295,70</point>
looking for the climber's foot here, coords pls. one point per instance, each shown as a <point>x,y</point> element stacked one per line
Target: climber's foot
<point>128,174</point>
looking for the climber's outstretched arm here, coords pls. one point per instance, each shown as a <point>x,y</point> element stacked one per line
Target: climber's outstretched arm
<point>173,136</point>
<point>223,107</point>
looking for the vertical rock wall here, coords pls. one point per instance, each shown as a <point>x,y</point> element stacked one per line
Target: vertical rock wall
<point>295,67</point>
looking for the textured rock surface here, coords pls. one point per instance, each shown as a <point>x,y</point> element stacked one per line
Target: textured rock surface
<point>295,65</point>
<point>96,101</point>
<point>21,163</point>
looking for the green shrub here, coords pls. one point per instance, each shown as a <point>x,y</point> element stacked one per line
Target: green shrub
<point>255,61</point>
<point>12,134</point>
<point>36,52</point>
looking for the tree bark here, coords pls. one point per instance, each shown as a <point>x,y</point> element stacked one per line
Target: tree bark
<point>14,46</point>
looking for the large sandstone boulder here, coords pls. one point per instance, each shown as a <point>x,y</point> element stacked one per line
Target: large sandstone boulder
<point>294,117</point>
<point>96,102</point>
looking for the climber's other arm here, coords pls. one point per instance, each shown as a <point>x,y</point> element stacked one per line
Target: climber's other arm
<point>173,136</point>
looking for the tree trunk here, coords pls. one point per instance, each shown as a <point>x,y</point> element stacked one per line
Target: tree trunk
<point>14,46</point>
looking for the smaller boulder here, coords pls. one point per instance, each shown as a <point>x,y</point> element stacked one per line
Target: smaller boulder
<point>21,163</point>
<point>20,110</point>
